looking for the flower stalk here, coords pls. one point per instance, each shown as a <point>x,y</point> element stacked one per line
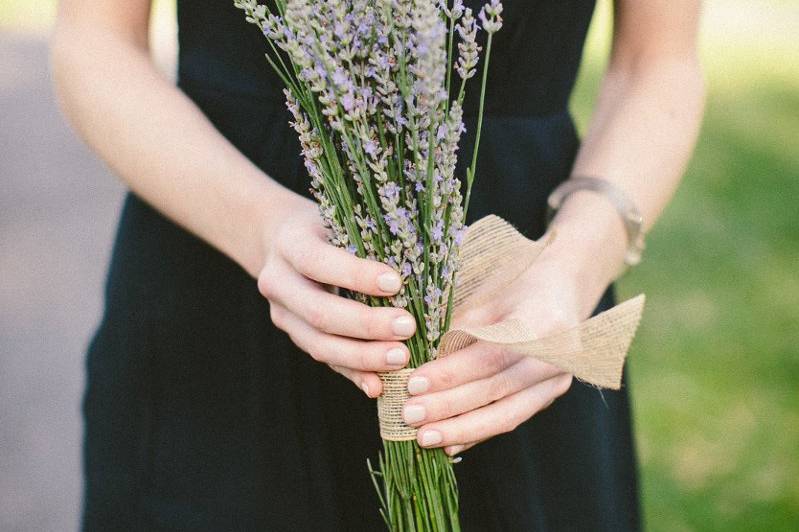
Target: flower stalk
<point>369,85</point>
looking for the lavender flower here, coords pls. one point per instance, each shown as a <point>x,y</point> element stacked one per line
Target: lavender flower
<point>468,49</point>
<point>368,88</point>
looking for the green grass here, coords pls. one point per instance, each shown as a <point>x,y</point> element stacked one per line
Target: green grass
<point>715,368</point>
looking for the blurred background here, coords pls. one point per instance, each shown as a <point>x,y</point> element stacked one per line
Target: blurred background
<point>714,370</point>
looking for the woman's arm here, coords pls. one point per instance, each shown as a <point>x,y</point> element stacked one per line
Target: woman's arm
<point>152,135</point>
<point>162,145</point>
<point>641,136</point>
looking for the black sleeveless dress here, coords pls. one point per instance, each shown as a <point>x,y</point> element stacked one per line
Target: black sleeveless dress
<point>200,415</point>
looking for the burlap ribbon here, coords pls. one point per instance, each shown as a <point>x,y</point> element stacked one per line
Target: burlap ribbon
<point>493,255</point>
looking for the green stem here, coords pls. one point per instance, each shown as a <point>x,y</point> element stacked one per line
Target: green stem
<point>473,168</point>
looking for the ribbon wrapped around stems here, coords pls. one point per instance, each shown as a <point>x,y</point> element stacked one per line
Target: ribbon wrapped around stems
<point>493,255</point>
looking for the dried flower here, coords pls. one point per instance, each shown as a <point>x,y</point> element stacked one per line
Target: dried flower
<point>368,88</point>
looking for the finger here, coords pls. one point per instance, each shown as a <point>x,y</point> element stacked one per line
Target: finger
<point>369,382</point>
<point>453,450</point>
<point>328,264</point>
<point>497,418</point>
<point>475,362</point>
<point>340,351</point>
<point>472,395</point>
<point>338,315</point>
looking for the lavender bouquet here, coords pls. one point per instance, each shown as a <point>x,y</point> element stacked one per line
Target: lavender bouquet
<point>372,88</point>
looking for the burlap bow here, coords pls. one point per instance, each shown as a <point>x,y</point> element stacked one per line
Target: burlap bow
<point>493,255</point>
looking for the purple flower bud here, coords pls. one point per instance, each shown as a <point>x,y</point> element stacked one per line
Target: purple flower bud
<point>459,236</point>
<point>390,190</point>
<point>441,134</point>
<point>370,147</point>
<point>393,224</point>
<point>438,231</point>
<point>340,77</point>
<point>348,102</point>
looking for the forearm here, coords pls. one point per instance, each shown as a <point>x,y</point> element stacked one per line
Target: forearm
<point>164,148</point>
<point>641,137</point>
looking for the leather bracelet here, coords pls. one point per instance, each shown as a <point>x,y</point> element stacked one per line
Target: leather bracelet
<point>633,221</point>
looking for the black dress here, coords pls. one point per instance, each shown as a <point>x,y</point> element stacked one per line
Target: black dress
<point>201,415</point>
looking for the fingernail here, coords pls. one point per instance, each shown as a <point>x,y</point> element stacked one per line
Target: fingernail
<point>455,449</point>
<point>431,437</point>
<point>413,413</point>
<point>417,385</point>
<point>403,326</point>
<point>396,357</point>
<point>389,282</point>
<point>365,388</point>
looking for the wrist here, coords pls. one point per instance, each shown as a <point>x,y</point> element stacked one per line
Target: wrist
<point>262,218</point>
<point>589,246</point>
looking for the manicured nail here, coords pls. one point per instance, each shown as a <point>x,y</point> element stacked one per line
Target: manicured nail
<point>365,388</point>
<point>403,326</point>
<point>389,282</point>
<point>431,437</point>
<point>417,385</point>
<point>396,357</point>
<point>414,413</point>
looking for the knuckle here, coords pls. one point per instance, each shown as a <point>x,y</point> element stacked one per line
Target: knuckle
<point>563,384</point>
<point>296,341</point>
<point>496,359</point>
<point>458,435</point>
<point>356,356</point>
<point>341,370</point>
<point>512,424</point>
<point>366,358</point>
<point>304,258</point>
<point>498,387</point>
<point>372,322</point>
<point>508,424</point>
<point>445,408</point>
<point>446,378</point>
<point>316,318</point>
<point>352,276</point>
<point>277,315</point>
<point>265,286</point>
<point>316,353</point>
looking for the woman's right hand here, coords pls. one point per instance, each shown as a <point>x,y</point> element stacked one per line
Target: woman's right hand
<point>300,267</point>
<point>178,162</point>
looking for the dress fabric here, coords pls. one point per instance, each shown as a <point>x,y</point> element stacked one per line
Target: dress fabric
<point>200,415</point>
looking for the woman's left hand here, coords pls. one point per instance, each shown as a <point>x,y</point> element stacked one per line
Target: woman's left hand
<point>484,390</point>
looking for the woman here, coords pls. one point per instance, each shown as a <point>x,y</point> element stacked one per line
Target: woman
<point>203,414</point>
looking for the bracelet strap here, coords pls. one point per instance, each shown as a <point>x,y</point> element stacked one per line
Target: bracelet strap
<point>633,221</point>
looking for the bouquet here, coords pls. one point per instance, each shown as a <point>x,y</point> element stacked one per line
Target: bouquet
<point>376,90</point>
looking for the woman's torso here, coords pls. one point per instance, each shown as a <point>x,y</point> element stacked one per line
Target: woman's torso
<point>201,415</point>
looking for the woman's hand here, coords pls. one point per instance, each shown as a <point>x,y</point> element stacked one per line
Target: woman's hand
<point>299,269</point>
<point>484,390</point>
<point>650,104</point>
